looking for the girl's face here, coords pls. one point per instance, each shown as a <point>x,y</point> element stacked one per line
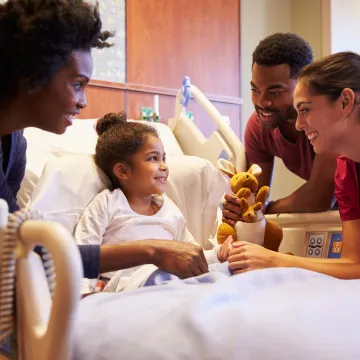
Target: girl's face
<point>148,173</point>
<point>324,123</point>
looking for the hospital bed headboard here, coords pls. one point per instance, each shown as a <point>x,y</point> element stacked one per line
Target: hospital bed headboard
<point>223,142</point>
<point>44,323</point>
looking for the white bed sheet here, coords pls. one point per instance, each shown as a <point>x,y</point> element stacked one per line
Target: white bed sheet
<point>267,314</point>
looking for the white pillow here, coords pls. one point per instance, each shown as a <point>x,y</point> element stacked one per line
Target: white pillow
<point>70,181</point>
<point>81,137</point>
<point>196,187</point>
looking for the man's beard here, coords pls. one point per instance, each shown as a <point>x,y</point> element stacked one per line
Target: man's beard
<point>289,115</point>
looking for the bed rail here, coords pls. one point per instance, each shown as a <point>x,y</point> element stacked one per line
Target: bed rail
<point>45,324</point>
<point>223,142</point>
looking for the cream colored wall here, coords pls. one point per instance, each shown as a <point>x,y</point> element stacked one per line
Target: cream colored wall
<point>345,25</point>
<point>306,22</point>
<point>260,18</point>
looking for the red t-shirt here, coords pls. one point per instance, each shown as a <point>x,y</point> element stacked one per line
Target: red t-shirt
<point>347,179</point>
<point>261,145</point>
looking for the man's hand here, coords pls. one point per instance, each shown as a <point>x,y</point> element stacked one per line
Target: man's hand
<point>232,210</point>
<point>181,259</point>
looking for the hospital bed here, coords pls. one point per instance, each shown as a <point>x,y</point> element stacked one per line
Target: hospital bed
<point>61,168</point>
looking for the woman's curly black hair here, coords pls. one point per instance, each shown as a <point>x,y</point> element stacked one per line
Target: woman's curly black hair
<point>284,48</point>
<point>38,37</point>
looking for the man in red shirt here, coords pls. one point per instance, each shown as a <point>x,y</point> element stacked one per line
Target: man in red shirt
<point>271,132</point>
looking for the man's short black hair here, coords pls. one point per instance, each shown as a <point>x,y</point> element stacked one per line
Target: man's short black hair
<point>284,48</point>
<point>37,37</point>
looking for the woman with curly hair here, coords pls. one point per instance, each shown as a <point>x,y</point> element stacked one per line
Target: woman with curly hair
<point>44,69</point>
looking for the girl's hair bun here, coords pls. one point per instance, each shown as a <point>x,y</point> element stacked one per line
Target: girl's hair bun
<point>110,120</point>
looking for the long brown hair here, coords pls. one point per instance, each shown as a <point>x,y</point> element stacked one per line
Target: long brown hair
<point>330,75</point>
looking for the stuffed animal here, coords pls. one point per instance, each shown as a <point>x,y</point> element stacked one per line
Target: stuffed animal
<point>249,212</point>
<point>253,227</point>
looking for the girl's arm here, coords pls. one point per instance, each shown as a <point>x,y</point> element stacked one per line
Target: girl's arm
<point>211,256</point>
<point>90,230</point>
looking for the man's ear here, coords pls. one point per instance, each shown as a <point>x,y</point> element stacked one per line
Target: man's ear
<point>121,171</point>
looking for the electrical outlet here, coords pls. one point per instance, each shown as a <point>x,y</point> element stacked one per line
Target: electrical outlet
<point>335,246</point>
<point>315,245</point>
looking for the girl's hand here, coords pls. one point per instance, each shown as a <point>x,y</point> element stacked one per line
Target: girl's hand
<point>225,249</point>
<point>246,256</point>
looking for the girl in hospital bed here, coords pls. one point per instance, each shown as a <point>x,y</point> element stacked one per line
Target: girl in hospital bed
<point>132,156</point>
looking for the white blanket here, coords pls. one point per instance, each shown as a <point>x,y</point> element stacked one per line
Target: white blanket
<point>268,314</point>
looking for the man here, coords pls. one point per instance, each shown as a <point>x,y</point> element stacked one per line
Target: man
<point>271,131</point>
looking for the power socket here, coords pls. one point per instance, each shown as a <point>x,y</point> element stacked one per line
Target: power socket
<point>315,245</point>
<point>335,247</point>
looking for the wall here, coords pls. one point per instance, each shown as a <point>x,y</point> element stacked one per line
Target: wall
<point>109,65</point>
<point>345,25</point>
<point>328,25</point>
<point>305,18</point>
<point>166,40</point>
<point>260,18</point>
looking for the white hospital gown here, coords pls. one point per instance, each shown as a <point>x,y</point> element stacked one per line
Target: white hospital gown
<point>109,219</point>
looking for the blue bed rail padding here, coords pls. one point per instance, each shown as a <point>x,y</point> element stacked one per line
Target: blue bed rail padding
<point>186,91</point>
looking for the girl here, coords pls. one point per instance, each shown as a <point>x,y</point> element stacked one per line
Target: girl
<point>132,156</point>
<point>327,99</point>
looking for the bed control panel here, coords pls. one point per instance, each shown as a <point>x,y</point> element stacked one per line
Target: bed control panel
<point>323,245</point>
<point>315,245</point>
